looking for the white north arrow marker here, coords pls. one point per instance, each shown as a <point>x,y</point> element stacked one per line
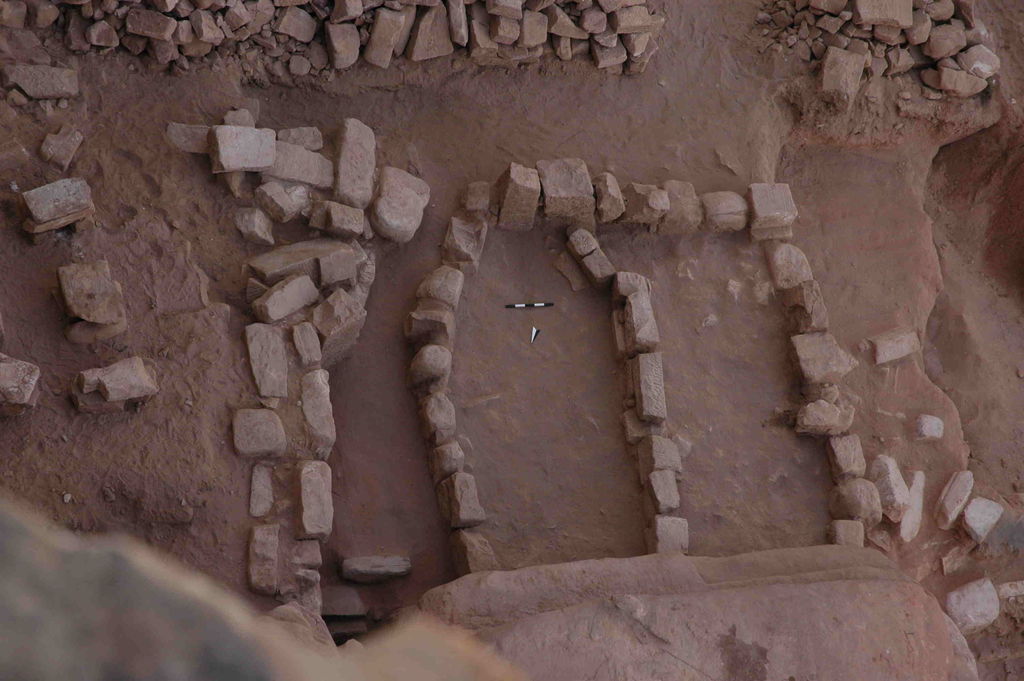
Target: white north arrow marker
<point>533,336</point>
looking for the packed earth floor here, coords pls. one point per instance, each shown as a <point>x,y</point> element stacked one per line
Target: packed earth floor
<point>907,185</point>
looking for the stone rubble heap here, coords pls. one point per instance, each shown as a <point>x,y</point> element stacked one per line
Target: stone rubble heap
<point>308,300</point>
<point>944,41</point>
<point>301,37</point>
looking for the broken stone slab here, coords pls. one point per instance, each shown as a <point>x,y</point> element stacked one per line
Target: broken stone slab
<point>285,298</point>
<point>821,358</point>
<point>307,344</point>
<point>686,211</point>
<point>649,385</point>
<point>806,307</point>
<point>316,408</point>
<point>282,202</point>
<point>431,36</point>
<point>824,418</point>
<point>356,163</point>
<point>646,204</point>
<point>437,414</point>
<point>294,163</point>
<point>667,534</point>
<point>787,265</point>
<point>430,369</point>
<point>59,148</point>
<point>471,552</point>
<point>610,204</point>
<point>263,546</point>
<point>338,220</point>
<point>892,488</point>
<point>388,26</point>
<point>568,193</point>
<point>846,457</point>
<point>953,499</point>
<point>397,211</point>
<point>841,73</point>
<point>446,460</point>
<point>57,204</point>
<point>856,499</point>
<point>598,268</point>
<point>725,211</point>
<point>241,148</point>
<point>258,433</point>
<point>339,319</point>
<point>19,386</point>
<point>641,328</point>
<point>980,516</point>
<point>90,293</point>
<point>127,379</point>
<point>460,505</point>
<point>663,490</point>
<point>316,506</point>
<point>895,345</point>
<point>846,533</point>
<point>928,428</point>
<point>261,490</point>
<point>519,191</point>
<point>773,211</point>
<point>443,284</point>
<point>255,226</point>
<point>910,525</point>
<point>306,137</point>
<point>345,264</point>
<point>974,606</point>
<point>464,242</point>
<point>296,23</point>
<point>268,359</point>
<point>303,257</point>
<point>375,569</point>
<point>430,322</point>
<point>42,82</point>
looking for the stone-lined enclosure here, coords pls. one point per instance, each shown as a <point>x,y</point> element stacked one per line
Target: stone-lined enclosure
<point>289,38</point>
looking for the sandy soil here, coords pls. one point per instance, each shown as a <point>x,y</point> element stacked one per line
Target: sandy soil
<point>552,469</point>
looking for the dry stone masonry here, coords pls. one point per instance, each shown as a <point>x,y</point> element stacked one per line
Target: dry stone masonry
<point>289,39</point>
<point>944,42</point>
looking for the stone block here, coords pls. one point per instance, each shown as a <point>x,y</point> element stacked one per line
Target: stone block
<point>464,242</point>
<point>519,192</point>
<point>282,202</point>
<point>824,418</point>
<point>127,379</point>
<point>42,82</point>
<point>90,293</point>
<point>928,428</point>
<point>821,358</point>
<point>787,265</point>
<point>306,137</point>
<point>307,344</point>
<point>339,319</point>
<point>258,433</point>
<point>316,505</point>
<point>846,533</point>
<point>806,307</point>
<point>725,211</point>
<point>430,369</point>
<point>268,359</point>
<point>635,19</point>
<point>582,243</point>
<point>636,430</point>
<point>959,83</point>
<point>856,499</point>
<point>471,552</point>
<point>641,328</point>
<point>316,408</point>
<point>261,490</point>
<point>437,415</point>
<point>357,160</point>
<point>430,322</point>
<point>294,163</point>
<point>846,457</point>
<point>974,606</point>
<point>459,502</point>
<point>945,40</point>
<point>896,13</point>
<point>667,534</point>
<point>895,345</point>
<point>375,569</point>
<point>338,220</point>
<point>446,460</point>
<point>655,453</point>
<point>342,42</point>
<point>598,268</point>
<point>568,192</point>
<point>841,73</point>
<point>686,211</point>
<point>646,204</point>
<point>297,24</point>
<point>239,147</point>
<point>255,226</point>
<point>57,204</point>
<point>610,204</point>
<point>443,284</point>
<point>650,388</point>
<point>388,28</point>
<point>397,211</point>
<point>980,516</point>
<point>285,298</point>
<point>263,547</point>
<point>910,525</point>
<point>59,148</point>
<point>664,491</point>
<point>303,257</point>
<point>979,61</point>
<point>431,36</point>
<point>772,210</point>
<point>892,488</point>
<point>19,386</point>
<point>953,499</point>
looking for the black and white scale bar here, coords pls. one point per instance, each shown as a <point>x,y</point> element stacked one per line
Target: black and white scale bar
<point>520,306</point>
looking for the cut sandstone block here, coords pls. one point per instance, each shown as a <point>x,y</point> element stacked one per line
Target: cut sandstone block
<point>471,552</point>
<point>285,298</point>
<point>258,433</point>
<point>431,37</point>
<point>519,191</point>
<point>357,160</point>
<point>337,219</point>
<point>668,534</point>
<point>59,148</point>
<point>650,388</point>
<point>773,211</point>
<point>824,418</point>
<point>388,26</point>
<point>980,516</point>
<point>892,489</point>
<point>821,358</point>
<point>568,192</point>
<point>316,506</point>
<point>895,345</point>
<point>342,42</point>
<point>430,369</point>
<point>846,533</point>
<point>263,545</point>
<point>261,490</point>
<point>896,13</point>
<point>641,328</point>
<point>459,503</point>
<point>608,193</point>
<point>255,226</point>
<point>929,428</point>
<point>283,203</point>
<point>430,322</point>
<point>856,499</point>
<point>304,257</point>
<point>237,147</point>
<point>316,408</point>
<point>582,243</point>
<point>598,268</point>
<point>445,460</point>
<point>464,242</point>
<point>846,457</point>
<point>128,379</point>
<point>953,499</point>
<point>664,491</point>
<point>307,344</point>
<point>437,414</point>
<point>443,284</point>
<point>628,283</point>
<point>725,211</point>
<point>268,359</point>
<point>397,211</point>
<point>974,606</point>
<point>57,204</point>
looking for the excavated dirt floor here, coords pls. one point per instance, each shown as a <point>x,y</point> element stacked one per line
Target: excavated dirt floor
<point>912,219</point>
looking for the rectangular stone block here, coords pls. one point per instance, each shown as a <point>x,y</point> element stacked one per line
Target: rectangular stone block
<point>316,505</point>
<point>459,502</point>
<point>773,211</point>
<point>519,191</point>
<point>299,258</point>
<point>263,547</point>
<point>568,192</point>
<point>293,163</point>
<point>895,345</point>
<point>57,204</point>
<point>42,82</point>
<point>268,359</point>
<point>640,326</point>
<point>667,534</point>
<point>650,388</point>
<point>239,147</point>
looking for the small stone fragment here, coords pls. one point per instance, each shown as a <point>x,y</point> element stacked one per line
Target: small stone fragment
<point>787,264</point>
<point>929,428</point>
<point>19,386</point>
<point>821,358</point>
<point>609,201</point>
<point>911,523</point>
<point>824,418</point>
<point>846,533</point>
<point>445,460</point>
<point>59,148</point>
<point>895,345</point>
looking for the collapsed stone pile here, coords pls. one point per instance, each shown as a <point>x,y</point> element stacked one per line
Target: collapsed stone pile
<point>943,40</point>
<point>309,303</point>
<point>302,37</point>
